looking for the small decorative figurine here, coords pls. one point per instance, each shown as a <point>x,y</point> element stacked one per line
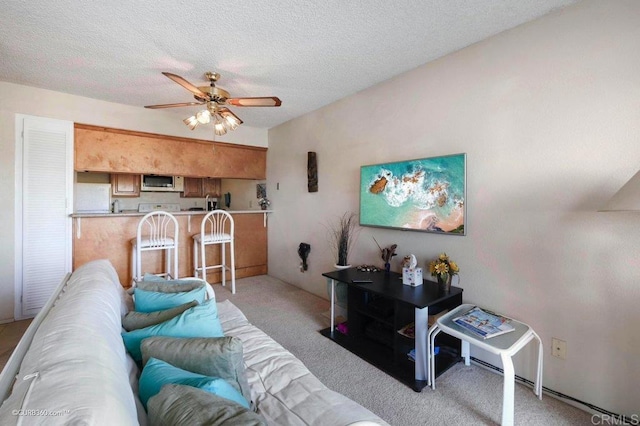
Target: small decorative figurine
<point>303,251</point>
<point>387,253</point>
<point>368,268</point>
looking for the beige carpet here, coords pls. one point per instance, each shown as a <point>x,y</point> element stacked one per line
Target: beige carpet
<point>464,395</point>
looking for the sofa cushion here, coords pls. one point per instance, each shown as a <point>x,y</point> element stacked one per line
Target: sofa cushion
<point>216,357</point>
<point>282,387</point>
<point>185,405</point>
<point>150,301</point>
<point>199,321</point>
<point>134,320</point>
<point>170,286</point>
<point>158,373</point>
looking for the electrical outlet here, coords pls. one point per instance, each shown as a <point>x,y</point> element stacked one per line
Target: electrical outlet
<point>559,348</point>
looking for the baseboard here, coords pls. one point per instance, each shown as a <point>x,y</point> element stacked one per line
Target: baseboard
<point>619,418</point>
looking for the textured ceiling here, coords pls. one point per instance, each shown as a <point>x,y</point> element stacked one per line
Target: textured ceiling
<point>308,53</point>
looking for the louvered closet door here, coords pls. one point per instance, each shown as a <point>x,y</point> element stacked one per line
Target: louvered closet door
<point>47,181</point>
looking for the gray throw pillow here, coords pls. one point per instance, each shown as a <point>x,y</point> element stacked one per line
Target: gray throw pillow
<point>186,405</point>
<point>209,356</point>
<point>134,320</point>
<point>170,286</point>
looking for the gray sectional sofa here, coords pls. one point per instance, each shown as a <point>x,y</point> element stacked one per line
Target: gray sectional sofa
<point>71,366</point>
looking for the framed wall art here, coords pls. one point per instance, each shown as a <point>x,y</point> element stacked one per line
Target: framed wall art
<point>427,194</point>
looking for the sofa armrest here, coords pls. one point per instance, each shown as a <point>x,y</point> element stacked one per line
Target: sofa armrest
<point>10,370</point>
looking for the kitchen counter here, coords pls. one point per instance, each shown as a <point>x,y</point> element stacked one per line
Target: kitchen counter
<point>108,235</point>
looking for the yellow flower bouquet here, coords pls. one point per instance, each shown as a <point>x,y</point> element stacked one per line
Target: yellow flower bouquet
<point>444,269</point>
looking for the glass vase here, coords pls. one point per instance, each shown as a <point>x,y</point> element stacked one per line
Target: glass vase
<point>444,283</point>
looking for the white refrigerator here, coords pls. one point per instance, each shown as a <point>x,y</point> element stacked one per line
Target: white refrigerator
<point>92,198</point>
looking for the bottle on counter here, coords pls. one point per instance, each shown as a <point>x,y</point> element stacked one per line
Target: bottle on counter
<point>116,206</point>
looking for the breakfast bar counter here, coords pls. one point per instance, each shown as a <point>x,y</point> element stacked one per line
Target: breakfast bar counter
<point>180,213</point>
<point>108,236</point>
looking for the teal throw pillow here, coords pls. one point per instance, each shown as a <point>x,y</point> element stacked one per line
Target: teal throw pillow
<point>199,321</point>
<point>210,356</point>
<point>150,301</point>
<point>159,373</point>
<point>186,405</point>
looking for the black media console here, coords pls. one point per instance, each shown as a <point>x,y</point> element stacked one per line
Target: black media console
<point>378,306</point>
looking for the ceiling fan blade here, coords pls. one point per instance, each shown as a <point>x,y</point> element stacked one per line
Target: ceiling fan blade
<point>183,104</point>
<point>270,101</point>
<point>184,83</point>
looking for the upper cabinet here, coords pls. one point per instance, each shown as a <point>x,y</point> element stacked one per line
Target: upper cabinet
<point>212,187</point>
<point>103,149</point>
<point>125,185</point>
<point>201,187</point>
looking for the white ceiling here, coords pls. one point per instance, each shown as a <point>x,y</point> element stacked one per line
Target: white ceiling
<point>308,53</point>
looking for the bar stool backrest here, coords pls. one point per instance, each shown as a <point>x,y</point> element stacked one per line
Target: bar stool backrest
<point>157,229</point>
<point>217,226</point>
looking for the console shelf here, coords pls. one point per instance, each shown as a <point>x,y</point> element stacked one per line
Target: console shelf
<point>381,307</point>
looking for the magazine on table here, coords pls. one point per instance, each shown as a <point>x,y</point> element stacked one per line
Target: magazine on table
<point>483,323</point>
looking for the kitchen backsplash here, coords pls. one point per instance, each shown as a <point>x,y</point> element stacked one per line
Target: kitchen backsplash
<point>127,203</point>
<point>243,194</point>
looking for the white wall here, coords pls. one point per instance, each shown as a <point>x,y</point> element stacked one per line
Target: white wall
<point>549,116</point>
<point>45,103</point>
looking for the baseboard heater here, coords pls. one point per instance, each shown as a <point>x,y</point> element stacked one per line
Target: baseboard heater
<point>619,417</point>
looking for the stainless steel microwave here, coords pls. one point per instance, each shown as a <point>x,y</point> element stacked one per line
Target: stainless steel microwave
<point>162,183</point>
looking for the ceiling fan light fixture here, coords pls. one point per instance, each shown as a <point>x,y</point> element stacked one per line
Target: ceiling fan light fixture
<point>192,122</point>
<point>219,128</point>
<point>230,120</point>
<point>203,117</point>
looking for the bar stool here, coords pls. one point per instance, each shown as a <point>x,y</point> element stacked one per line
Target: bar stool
<point>216,228</point>
<point>157,230</point>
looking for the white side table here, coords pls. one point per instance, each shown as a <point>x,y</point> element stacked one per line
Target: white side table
<point>505,345</point>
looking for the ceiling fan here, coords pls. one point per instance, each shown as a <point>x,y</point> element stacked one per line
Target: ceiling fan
<point>215,100</point>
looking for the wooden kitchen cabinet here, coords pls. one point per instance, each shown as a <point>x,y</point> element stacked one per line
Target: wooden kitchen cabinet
<point>212,187</point>
<point>104,149</point>
<point>192,188</point>
<point>125,185</point>
<point>201,187</point>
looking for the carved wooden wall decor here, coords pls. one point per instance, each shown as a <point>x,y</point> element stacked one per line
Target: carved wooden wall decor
<point>312,172</point>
